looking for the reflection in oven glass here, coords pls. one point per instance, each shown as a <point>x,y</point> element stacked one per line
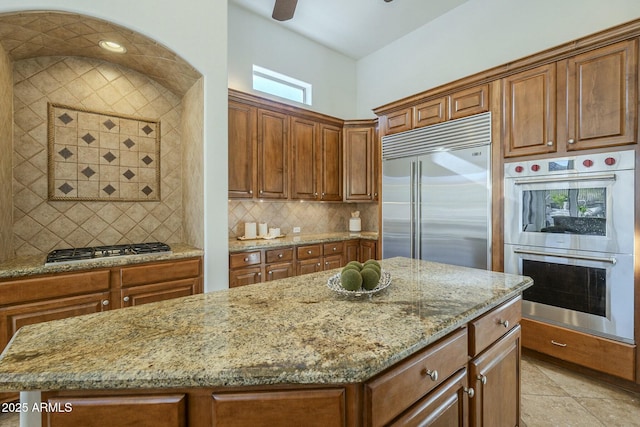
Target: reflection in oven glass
<point>572,287</point>
<point>575,211</point>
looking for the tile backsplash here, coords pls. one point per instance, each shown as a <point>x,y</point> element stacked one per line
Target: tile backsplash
<point>311,217</point>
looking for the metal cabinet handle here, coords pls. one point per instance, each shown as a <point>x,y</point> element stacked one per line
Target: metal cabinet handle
<point>335,249</point>
<point>505,323</point>
<point>315,194</point>
<point>261,191</point>
<point>280,255</point>
<point>309,252</point>
<point>250,191</point>
<point>470,392</point>
<point>549,143</point>
<point>259,274</point>
<point>126,299</point>
<point>270,272</point>
<point>482,379</point>
<point>571,141</point>
<point>105,302</point>
<point>246,259</point>
<point>431,374</point>
<point>558,343</point>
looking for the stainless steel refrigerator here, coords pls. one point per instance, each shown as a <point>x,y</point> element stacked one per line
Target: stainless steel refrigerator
<point>436,193</point>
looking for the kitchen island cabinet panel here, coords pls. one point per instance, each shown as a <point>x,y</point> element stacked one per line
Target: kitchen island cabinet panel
<point>487,329</point>
<point>398,389</point>
<point>321,408</point>
<point>495,378</point>
<point>139,411</point>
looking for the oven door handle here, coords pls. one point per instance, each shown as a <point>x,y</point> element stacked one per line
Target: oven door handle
<point>542,180</point>
<point>611,260</point>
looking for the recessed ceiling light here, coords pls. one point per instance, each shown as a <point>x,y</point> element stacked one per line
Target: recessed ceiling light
<point>112,46</point>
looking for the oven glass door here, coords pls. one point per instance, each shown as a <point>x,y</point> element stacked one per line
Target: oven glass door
<point>586,291</point>
<point>582,212</point>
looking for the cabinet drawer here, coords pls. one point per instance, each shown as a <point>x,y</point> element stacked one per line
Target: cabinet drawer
<point>333,248</point>
<point>604,355</point>
<point>394,391</point>
<point>160,272</point>
<point>309,251</point>
<point>278,255</point>
<point>322,407</point>
<point>488,328</point>
<point>244,259</point>
<point>55,286</point>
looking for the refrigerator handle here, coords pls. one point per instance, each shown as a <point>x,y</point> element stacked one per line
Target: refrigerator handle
<point>412,204</point>
<point>418,205</point>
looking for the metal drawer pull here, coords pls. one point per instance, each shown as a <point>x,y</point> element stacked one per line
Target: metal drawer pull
<point>599,177</point>
<point>105,302</point>
<point>482,378</point>
<point>126,299</point>
<point>246,260</point>
<point>431,374</point>
<point>280,255</point>
<point>309,252</point>
<point>558,343</point>
<point>470,392</point>
<point>505,323</point>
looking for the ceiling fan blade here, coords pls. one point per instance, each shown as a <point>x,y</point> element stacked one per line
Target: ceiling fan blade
<point>283,9</point>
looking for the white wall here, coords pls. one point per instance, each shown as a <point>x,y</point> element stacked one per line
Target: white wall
<point>197,31</point>
<point>256,40</point>
<point>476,36</point>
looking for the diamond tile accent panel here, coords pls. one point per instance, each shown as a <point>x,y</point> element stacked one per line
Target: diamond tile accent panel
<point>122,95</point>
<point>141,165</point>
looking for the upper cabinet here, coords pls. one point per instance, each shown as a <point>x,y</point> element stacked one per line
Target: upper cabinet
<point>360,161</point>
<point>583,102</point>
<point>283,152</point>
<point>459,104</point>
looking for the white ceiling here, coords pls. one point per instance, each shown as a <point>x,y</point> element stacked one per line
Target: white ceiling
<point>355,27</point>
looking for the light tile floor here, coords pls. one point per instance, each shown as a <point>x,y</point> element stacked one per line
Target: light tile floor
<point>553,397</point>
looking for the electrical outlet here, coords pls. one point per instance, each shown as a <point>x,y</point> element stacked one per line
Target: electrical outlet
<point>296,229</point>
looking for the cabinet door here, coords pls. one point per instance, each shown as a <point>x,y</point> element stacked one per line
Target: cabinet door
<point>368,250</point>
<point>332,261</point>
<point>430,112</point>
<point>446,406</point>
<point>469,101</point>
<point>14,317</point>
<point>139,411</point>
<point>145,294</point>
<point>304,159</point>
<point>242,150</point>
<point>273,157</point>
<point>279,271</point>
<point>331,163</point>
<point>398,121</point>
<point>245,276</point>
<point>351,250</point>
<point>160,272</point>
<point>530,112</point>
<point>495,377</point>
<point>601,102</point>
<point>307,266</point>
<point>359,167</point>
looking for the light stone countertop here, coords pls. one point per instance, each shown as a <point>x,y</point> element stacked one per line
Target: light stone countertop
<point>33,265</point>
<point>290,331</point>
<point>236,245</point>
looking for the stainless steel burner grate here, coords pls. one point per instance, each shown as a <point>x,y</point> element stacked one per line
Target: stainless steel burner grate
<point>59,256</point>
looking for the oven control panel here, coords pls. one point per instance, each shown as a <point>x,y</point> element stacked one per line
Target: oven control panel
<point>597,162</point>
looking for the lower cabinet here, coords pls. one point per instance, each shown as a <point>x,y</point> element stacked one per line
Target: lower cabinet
<point>321,408</point>
<point>140,411</point>
<point>495,378</point>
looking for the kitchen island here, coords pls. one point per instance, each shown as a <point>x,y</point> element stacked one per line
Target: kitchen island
<point>279,351</point>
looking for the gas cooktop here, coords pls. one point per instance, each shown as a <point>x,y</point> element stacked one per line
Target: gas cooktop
<point>71,255</point>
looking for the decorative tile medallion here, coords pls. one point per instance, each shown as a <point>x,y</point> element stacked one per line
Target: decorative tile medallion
<point>102,156</point>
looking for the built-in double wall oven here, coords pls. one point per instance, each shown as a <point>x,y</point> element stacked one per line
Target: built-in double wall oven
<point>569,225</point>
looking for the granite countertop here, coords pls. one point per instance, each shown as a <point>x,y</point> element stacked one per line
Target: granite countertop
<point>290,331</point>
<point>32,265</point>
<point>236,245</point>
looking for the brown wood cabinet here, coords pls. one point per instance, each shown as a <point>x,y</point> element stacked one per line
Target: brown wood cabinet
<point>243,153</point>
<point>330,163</point>
<point>584,102</point>
<point>245,268</point>
<point>360,160</point>
<point>305,157</point>
<point>582,349</point>
<point>279,263</point>
<point>368,250</point>
<point>273,155</point>
<point>351,250</point>
<point>138,410</point>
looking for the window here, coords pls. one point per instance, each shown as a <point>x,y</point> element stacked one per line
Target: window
<point>281,85</point>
